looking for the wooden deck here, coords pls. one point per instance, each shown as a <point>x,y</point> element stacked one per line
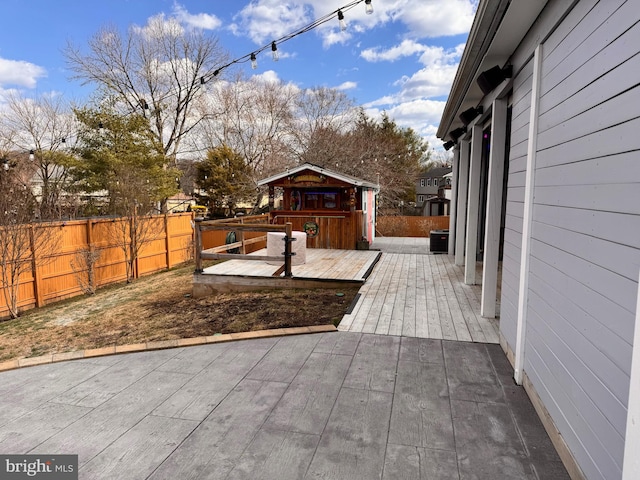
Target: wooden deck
<point>323,269</point>
<point>420,295</point>
<point>321,263</point>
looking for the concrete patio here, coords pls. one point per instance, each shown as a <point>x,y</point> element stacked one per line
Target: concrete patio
<point>331,405</point>
<point>338,405</point>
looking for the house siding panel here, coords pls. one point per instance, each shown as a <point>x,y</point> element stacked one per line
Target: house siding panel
<point>521,107</point>
<point>584,251</point>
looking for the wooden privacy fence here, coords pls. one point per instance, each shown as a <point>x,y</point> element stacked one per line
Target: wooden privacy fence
<point>397,226</point>
<point>54,276</point>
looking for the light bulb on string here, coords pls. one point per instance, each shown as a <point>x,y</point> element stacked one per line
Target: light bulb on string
<point>32,155</point>
<point>274,52</point>
<point>254,61</point>
<point>368,8</point>
<point>343,24</point>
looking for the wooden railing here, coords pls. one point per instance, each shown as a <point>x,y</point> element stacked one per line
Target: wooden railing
<point>239,227</point>
<point>340,230</point>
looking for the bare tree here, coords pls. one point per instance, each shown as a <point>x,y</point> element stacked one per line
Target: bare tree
<point>318,112</point>
<point>255,119</point>
<point>21,243</point>
<point>84,269</point>
<point>43,128</point>
<point>155,70</point>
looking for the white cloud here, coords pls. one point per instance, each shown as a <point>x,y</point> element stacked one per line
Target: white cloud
<point>268,77</point>
<point>347,86</point>
<point>204,21</point>
<point>20,73</point>
<point>422,115</point>
<point>157,26</point>
<point>266,20</point>
<point>435,18</point>
<point>405,49</point>
<point>428,82</point>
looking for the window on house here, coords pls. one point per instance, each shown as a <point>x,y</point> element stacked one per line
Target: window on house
<point>422,182</point>
<point>420,198</point>
<point>428,182</point>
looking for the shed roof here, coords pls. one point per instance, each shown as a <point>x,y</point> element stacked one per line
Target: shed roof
<point>329,173</point>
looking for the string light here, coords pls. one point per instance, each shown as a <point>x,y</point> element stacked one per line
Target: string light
<point>368,8</point>
<point>32,155</point>
<point>274,52</point>
<point>252,57</point>
<point>343,24</point>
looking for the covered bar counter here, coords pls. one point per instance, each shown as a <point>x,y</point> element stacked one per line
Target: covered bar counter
<point>336,211</point>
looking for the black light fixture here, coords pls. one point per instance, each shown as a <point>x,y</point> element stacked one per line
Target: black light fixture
<point>468,115</point>
<point>274,52</point>
<point>202,81</point>
<point>490,79</point>
<point>457,133</point>
<point>254,61</point>
<point>449,145</point>
<point>32,155</point>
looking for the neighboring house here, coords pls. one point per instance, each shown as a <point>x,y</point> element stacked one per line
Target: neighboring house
<point>430,191</point>
<point>180,202</point>
<point>543,114</point>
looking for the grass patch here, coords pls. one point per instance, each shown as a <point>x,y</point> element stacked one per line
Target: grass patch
<point>160,307</point>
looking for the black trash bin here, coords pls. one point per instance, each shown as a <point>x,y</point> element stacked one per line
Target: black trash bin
<point>439,241</point>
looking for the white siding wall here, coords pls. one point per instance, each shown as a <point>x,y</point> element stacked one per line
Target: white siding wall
<point>521,106</point>
<point>585,250</point>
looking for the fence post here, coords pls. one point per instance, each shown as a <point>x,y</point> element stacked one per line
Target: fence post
<point>37,278</point>
<point>243,248</point>
<point>198,245</point>
<point>166,240</point>
<point>288,238</point>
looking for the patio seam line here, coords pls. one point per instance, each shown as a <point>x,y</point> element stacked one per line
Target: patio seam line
<point>393,399</point>
<point>266,417</point>
<point>353,356</point>
<point>160,345</point>
<point>453,425</point>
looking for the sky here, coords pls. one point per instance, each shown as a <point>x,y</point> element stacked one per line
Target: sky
<point>401,59</point>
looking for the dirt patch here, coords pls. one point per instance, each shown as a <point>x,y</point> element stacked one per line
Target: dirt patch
<point>160,307</point>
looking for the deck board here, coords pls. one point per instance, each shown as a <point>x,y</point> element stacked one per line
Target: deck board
<point>419,295</point>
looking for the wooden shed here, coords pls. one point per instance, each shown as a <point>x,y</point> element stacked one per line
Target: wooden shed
<point>335,210</point>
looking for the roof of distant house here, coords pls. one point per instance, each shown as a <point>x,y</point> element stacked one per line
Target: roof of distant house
<point>436,172</point>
